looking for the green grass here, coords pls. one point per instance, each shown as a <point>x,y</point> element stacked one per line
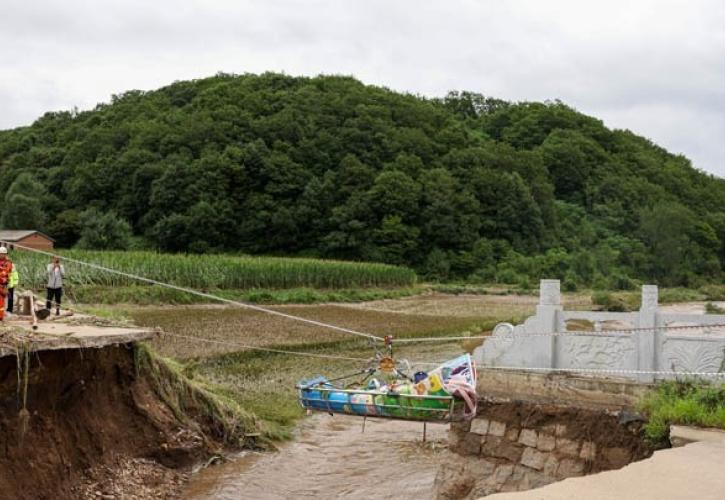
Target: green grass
<point>263,383</point>
<point>713,292</point>
<point>612,302</point>
<point>227,272</point>
<point>630,301</point>
<point>689,403</point>
<point>193,403</point>
<point>155,295</point>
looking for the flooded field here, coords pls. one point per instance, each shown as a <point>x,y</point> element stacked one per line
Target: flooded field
<point>467,305</point>
<point>331,458</point>
<point>424,316</point>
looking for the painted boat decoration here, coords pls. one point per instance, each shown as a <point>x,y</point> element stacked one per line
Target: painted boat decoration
<point>446,393</point>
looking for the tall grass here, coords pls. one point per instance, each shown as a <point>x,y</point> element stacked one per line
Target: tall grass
<point>683,402</point>
<point>213,271</point>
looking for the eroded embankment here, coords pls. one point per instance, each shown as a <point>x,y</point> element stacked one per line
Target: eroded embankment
<point>513,446</point>
<point>95,425</point>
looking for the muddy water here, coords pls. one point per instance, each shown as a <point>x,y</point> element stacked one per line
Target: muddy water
<point>332,458</point>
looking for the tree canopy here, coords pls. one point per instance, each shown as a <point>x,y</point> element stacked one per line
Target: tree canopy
<point>465,186</point>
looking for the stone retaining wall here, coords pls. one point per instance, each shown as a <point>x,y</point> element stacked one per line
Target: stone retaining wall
<point>519,446</point>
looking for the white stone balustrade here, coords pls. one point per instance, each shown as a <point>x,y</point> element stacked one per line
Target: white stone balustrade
<point>637,349</point>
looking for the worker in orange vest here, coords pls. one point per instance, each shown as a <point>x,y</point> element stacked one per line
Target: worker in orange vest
<point>6,268</point>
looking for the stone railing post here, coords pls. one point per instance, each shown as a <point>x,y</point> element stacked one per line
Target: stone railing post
<point>645,341</point>
<point>547,318</point>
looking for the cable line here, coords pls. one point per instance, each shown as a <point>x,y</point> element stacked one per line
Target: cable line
<point>265,349</point>
<point>207,295</point>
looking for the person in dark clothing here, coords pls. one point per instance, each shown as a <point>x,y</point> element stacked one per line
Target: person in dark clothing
<point>12,283</point>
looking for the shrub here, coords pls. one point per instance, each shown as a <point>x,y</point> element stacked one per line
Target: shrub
<point>437,265</point>
<point>570,282</point>
<point>103,231</point>
<point>524,283</point>
<point>610,302</point>
<point>600,283</point>
<point>508,276</point>
<point>622,282</point>
<point>669,295</point>
<point>711,308</point>
<point>713,292</point>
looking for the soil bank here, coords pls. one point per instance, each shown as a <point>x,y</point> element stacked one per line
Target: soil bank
<point>91,427</point>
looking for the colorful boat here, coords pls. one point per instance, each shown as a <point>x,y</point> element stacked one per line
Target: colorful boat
<point>446,393</point>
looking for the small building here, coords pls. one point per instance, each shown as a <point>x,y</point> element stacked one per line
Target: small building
<point>26,238</point>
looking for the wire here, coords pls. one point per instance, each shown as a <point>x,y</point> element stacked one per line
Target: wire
<point>604,370</point>
<point>208,295</point>
<point>265,349</point>
<point>283,351</point>
<point>513,336</point>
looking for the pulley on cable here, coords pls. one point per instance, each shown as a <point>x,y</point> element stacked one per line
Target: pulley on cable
<point>385,389</point>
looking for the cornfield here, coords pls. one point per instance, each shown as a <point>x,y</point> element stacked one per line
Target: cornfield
<point>211,271</point>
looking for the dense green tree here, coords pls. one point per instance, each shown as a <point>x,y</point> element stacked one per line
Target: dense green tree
<point>674,237</point>
<point>461,187</point>
<point>103,231</point>
<point>22,205</point>
<point>65,228</point>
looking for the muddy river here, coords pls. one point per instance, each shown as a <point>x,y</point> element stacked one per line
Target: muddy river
<point>331,458</point>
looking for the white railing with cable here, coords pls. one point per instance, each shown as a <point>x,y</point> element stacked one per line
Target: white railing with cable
<point>657,346</point>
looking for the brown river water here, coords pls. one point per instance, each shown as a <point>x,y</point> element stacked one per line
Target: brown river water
<point>331,457</point>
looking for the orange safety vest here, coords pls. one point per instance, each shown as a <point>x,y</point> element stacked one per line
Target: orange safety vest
<point>6,267</point>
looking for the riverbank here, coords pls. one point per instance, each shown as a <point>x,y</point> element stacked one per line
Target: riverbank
<point>88,412</point>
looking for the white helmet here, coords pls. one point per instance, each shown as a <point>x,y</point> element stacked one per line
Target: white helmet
<point>3,251</point>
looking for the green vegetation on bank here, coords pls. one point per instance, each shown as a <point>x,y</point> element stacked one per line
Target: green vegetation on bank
<point>204,272</point>
<point>630,301</point>
<point>194,403</point>
<point>689,403</point>
<point>264,383</point>
<point>461,187</point>
<point>155,295</point>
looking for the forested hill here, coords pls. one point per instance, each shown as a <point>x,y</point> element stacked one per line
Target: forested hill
<point>458,187</point>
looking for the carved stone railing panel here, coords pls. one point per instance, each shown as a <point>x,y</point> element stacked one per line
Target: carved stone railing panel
<point>692,355</point>
<point>604,352</point>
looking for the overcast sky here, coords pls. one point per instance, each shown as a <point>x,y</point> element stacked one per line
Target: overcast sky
<point>655,67</point>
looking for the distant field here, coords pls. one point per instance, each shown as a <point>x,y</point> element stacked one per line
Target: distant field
<point>229,324</point>
<point>228,272</point>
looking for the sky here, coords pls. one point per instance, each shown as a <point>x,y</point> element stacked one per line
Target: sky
<point>654,67</point>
